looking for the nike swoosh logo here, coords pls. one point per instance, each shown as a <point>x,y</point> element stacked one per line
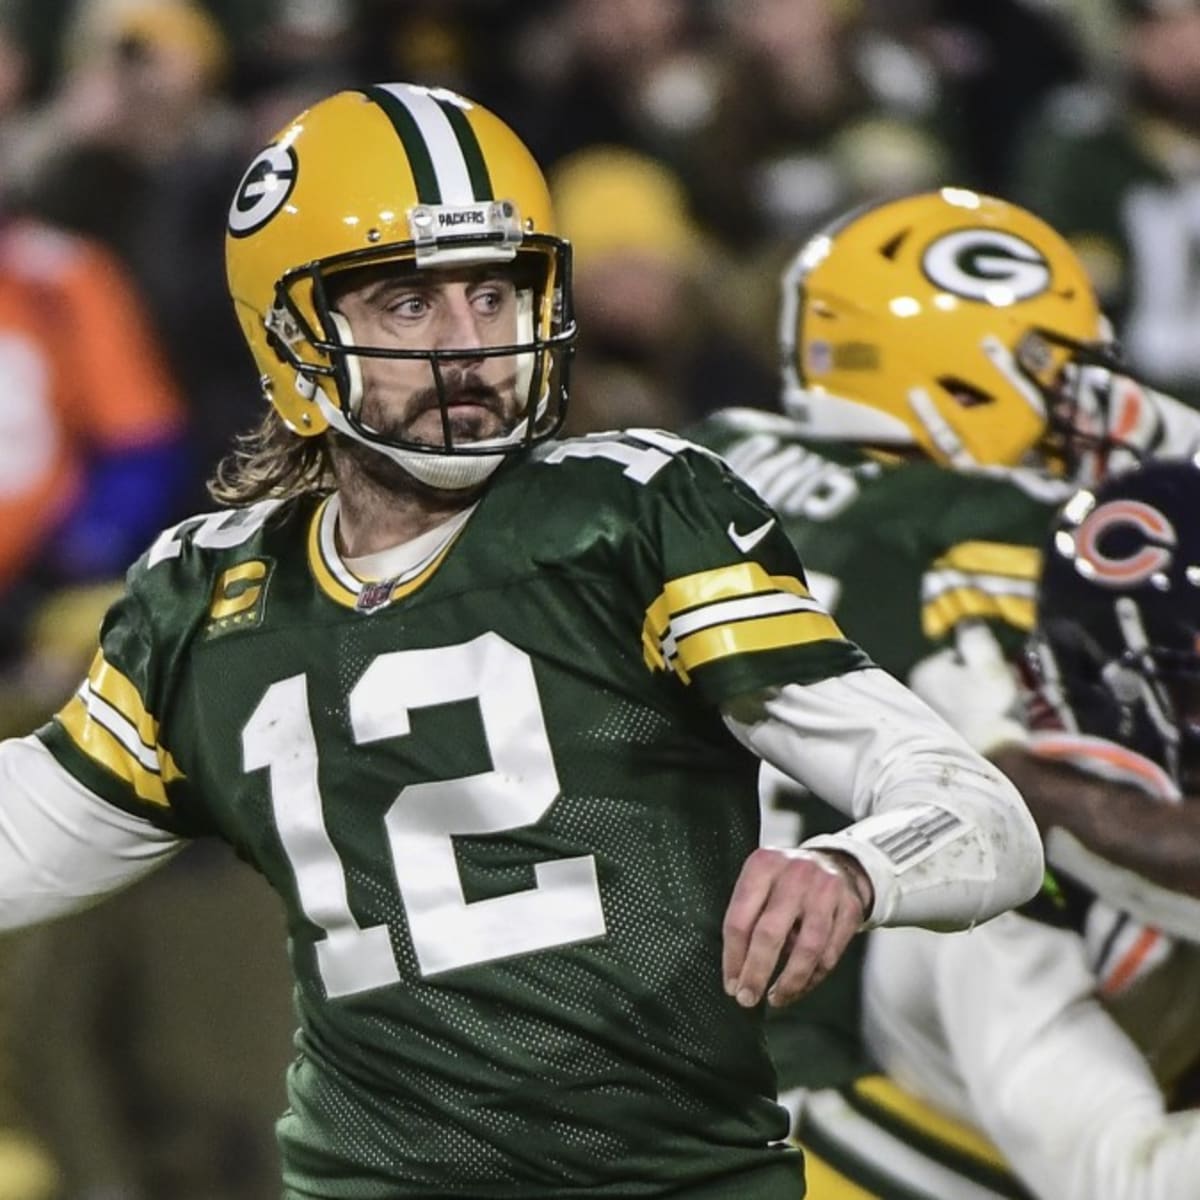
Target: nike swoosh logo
<point>746,542</point>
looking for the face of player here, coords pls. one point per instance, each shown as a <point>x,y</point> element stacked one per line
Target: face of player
<point>465,310</point>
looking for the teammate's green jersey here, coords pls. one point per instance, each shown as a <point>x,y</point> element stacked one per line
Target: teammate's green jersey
<point>502,810</point>
<point>899,553</point>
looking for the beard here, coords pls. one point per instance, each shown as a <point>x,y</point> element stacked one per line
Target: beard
<point>473,411</point>
<point>488,416</point>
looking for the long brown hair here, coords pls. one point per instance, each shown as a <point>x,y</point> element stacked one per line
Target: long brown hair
<point>272,462</point>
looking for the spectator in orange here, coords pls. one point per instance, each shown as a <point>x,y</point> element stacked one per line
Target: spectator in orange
<point>91,424</point>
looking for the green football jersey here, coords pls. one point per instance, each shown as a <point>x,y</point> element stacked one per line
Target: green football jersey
<point>501,808</point>
<point>900,553</point>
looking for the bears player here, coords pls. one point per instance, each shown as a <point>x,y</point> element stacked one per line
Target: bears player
<point>487,709</point>
<point>1074,998</point>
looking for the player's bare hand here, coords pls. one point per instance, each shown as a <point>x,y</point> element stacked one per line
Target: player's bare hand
<point>792,911</point>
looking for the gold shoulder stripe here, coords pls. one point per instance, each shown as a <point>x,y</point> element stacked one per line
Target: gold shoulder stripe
<point>118,690</point>
<point>950,607</point>
<point>880,1092</point>
<point>720,583</point>
<point>747,637</point>
<point>992,558</point>
<point>737,609</point>
<point>103,747</point>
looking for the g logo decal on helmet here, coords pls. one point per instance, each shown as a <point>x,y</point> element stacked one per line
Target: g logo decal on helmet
<point>952,291</point>
<point>988,265</point>
<point>1141,560</point>
<point>263,191</point>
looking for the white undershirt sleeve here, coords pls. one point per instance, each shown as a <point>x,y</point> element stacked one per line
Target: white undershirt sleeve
<point>62,847</point>
<point>1002,1028</point>
<point>944,837</point>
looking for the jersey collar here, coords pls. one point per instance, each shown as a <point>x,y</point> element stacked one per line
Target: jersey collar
<point>376,580</point>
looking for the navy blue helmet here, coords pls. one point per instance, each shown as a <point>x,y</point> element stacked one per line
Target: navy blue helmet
<point>1116,650</point>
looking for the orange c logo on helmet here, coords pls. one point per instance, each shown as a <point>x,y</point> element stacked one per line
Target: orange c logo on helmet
<point>1155,555</point>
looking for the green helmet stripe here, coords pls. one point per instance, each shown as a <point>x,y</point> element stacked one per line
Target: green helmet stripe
<point>416,149</point>
<point>481,181</point>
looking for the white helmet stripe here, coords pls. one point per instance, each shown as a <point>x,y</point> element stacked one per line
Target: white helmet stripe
<point>449,162</point>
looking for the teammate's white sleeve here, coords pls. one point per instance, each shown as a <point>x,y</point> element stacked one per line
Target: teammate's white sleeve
<point>61,846</point>
<point>974,688</point>
<point>1001,1028</point>
<point>943,835</point>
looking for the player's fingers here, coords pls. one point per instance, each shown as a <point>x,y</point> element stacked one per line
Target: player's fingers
<point>745,904</point>
<point>773,932</point>
<point>821,940</point>
<point>811,893</point>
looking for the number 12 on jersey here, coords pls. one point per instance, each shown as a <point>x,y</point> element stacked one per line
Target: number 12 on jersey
<point>446,929</point>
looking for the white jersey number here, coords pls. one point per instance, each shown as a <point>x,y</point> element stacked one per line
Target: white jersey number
<point>446,930</point>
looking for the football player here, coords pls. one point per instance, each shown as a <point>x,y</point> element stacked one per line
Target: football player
<point>948,380</point>
<point>487,709</point>
<point>1082,1003</point>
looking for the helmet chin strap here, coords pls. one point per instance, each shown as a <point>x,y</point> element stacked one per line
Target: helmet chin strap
<point>433,467</point>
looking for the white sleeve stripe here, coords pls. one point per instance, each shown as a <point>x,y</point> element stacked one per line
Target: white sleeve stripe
<point>724,612</point>
<point>110,720</point>
<point>937,583</point>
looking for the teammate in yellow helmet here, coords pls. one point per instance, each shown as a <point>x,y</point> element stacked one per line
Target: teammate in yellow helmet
<point>948,382</point>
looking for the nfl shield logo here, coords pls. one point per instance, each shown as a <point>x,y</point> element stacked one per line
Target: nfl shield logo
<point>375,595</point>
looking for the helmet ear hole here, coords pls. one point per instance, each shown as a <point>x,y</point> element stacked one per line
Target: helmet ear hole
<point>966,394</point>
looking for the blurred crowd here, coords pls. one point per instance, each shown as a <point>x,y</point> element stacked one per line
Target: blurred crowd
<point>692,145</point>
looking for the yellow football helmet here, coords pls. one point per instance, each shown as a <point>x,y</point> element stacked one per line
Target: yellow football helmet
<point>403,174</point>
<point>949,322</point>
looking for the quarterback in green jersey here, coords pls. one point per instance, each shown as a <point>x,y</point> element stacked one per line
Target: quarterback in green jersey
<point>487,710</point>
